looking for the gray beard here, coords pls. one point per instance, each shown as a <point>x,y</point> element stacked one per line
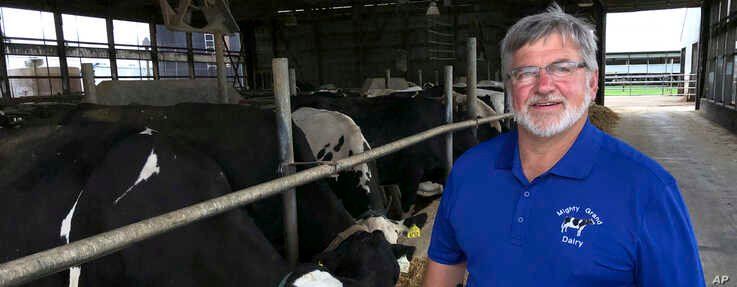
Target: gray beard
<point>569,116</point>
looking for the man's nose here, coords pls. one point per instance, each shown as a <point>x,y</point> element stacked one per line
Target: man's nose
<point>544,82</point>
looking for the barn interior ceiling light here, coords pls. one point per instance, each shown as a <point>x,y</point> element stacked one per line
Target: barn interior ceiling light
<point>585,3</point>
<point>432,9</point>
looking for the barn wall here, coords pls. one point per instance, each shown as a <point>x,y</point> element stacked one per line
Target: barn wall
<point>717,81</point>
<point>725,116</point>
<point>345,46</point>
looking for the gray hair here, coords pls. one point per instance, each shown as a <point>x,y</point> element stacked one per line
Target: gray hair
<point>535,27</point>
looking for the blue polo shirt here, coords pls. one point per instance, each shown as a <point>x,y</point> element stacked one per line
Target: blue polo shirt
<point>604,215</point>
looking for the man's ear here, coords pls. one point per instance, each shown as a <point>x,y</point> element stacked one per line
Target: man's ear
<point>594,82</point>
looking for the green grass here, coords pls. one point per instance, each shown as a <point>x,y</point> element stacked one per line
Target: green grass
<point>638,90</point>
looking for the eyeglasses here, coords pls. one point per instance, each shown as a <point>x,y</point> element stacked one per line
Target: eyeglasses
<point>558,70</point>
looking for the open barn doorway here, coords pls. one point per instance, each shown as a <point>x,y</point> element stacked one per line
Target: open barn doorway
<point>651,59</point>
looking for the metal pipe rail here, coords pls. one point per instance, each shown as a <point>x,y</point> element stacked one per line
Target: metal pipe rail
<point>28,268</point>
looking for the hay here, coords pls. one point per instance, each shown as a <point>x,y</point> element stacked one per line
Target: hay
<point>603,118</point>
<point>415,275</point>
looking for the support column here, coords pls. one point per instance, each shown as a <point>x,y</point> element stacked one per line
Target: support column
<point>190,55</point>
<point>4,81</point>
<point>448,88</point>
<point>419,77</point>
<point>471,80</point>
<point>387,78</point>
<point>111,48</point>
<point>601,52</point>
<point>280,67</point>
<point>248,40</point>
<point>88,80</point>
<point>292,82</point>
<point>703,51</point>
<point>154,50</point>
<point>221,73</point>
<point>61,51</point>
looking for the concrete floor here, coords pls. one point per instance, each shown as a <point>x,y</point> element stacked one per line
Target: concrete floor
<point>703,158</point>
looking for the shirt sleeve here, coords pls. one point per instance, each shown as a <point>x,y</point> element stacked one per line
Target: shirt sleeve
<point>667,250</point>
<point>444,247</point>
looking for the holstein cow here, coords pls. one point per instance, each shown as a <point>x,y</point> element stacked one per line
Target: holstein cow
<point>243,142</point>
<point>333,136</point>
<point>42,172</point>
<point>146,175</point>
<point>388,118</point>
<point>64,183</point>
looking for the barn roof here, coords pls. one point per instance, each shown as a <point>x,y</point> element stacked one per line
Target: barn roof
<point>148,10</point>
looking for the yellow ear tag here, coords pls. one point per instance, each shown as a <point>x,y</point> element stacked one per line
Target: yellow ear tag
<point>320,264</point>
<point>414,232</point>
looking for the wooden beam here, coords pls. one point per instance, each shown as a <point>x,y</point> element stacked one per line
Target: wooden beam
<point>62,54</point>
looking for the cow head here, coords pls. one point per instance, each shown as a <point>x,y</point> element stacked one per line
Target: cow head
<point>367,258</point>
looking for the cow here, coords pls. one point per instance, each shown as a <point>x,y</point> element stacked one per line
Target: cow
<point>333,136</point>
<point>386,119</point>
<point>575,223</point>
<point>43,169</point>
<point>242,140</point>
<point>148,174</point>
<point>68,182</point>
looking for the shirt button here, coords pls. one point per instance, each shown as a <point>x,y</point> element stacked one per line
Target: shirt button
<point>526,194</point>
<point>520,219</point>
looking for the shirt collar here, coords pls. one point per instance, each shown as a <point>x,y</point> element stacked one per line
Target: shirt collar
<point>576,163</point>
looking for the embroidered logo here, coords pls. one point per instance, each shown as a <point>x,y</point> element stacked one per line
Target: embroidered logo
<point>578,223</point>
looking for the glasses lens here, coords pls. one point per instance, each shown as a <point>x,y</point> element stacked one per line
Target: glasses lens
<point>525,75</point>
<point>562,69</point>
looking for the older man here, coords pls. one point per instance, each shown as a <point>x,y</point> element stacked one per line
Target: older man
<point>558,202</point>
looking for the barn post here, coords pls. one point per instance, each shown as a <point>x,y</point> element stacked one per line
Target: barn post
<point>387,78</point>
<point>292,82</point>
<point>280,68</point>
<point>448,88</point>
<point>220,63</point>
<point>419,77</point>
<point>88,80</point>
<point>111,48</point>
<point>471,79</point>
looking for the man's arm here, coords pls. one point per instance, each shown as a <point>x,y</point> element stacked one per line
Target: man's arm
<point>441,275</point>
<point>667,250</point>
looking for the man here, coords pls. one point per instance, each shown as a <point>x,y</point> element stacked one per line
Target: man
<point>558,202</point>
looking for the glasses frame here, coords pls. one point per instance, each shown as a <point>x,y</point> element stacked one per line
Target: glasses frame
<point>548,69</point>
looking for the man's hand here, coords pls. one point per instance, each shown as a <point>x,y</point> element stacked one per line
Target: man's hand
<point>441,275</point>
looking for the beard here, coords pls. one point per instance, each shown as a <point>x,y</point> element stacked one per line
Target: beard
<point>547,124</point>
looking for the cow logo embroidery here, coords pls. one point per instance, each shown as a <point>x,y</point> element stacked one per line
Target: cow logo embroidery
<point>576,220</point>
<point>576,223</point>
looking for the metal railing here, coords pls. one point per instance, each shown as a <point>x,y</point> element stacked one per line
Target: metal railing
<point>651,84</point>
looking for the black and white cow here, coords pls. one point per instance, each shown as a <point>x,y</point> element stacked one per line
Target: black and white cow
<point>575,223</point>
<point>122,175</point>
<point>242,141</point>
<point>43,170</point>
<point>385,119</point>
<point>333,136</point>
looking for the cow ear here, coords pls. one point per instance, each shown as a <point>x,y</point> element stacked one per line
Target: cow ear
<point>400,250</point>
